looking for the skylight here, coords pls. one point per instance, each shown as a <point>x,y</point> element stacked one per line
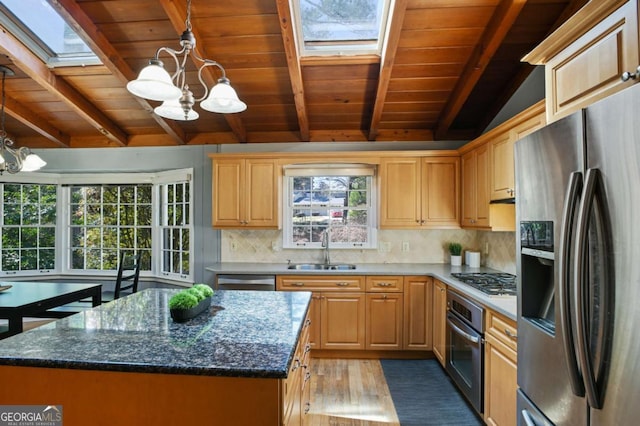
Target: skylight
<point>45,33</point>
<point>340,27</point>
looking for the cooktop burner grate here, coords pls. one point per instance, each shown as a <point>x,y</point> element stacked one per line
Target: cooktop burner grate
<point>491,283</point>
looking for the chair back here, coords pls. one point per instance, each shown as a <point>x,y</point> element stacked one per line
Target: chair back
<point>128,273</point>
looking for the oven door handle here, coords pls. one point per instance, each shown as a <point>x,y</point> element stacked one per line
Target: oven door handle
<point>469,337</point>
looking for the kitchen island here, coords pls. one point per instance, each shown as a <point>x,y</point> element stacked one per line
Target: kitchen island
<point>127,362</point>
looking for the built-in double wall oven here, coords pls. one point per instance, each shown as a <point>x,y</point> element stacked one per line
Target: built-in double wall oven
<point>465,328</point>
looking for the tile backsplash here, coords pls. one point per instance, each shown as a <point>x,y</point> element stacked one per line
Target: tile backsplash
<point>428,246</point>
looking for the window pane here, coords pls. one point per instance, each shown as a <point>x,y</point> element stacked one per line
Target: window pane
<point>12,214</point>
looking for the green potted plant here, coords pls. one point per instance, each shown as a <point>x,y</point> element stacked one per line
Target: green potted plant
<point>190,302</point>
<point>455,250</point>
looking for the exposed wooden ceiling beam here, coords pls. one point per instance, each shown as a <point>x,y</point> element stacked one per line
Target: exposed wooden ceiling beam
<point>177,15</point>
<point>111,58</point>
<point>293,62</point>
<point>33,67</point>
<point>35,122</point>
<point>386,65</point>
<point>501,22</point>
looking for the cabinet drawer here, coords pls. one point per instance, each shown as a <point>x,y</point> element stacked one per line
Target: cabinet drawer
<point>503,329</point>
<point>320,283</point>
<point>385,284</point>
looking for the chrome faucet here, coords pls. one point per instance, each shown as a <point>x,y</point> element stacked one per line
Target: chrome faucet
<point>325,243</point>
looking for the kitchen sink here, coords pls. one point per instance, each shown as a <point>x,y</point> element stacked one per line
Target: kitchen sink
<point>322,267</point>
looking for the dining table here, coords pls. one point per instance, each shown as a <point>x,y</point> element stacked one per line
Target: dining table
<point>19,300</point>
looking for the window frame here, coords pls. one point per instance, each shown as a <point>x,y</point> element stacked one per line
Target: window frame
<point>341,47</point>
<point>315,170</point>
<point>63,225</point>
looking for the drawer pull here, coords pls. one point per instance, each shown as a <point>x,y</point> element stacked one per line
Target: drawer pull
<point>307,407</point>
<point>510,334</point>
<point>307,322</point>
<point>296,365</point>
<point>297,284</point>
<point>384,284</point>
<point>342,284</point>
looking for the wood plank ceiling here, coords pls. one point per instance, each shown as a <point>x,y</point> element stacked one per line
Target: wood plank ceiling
<point>447,69</point>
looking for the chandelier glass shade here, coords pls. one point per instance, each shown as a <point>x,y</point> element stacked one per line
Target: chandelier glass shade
<point>13,160</point>
<point>155,83</point>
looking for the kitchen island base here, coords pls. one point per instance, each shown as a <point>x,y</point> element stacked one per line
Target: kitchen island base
<point>123,398</point>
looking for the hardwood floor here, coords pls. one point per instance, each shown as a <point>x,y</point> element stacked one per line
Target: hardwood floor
<point>350,392</point>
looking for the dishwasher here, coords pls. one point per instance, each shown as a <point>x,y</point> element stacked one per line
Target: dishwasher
<point>245,282</point>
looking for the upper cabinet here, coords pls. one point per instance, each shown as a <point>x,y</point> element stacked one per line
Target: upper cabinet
<point>488,172</point>
<point>475,184</point>
<point>419,192</point>
<point>586,57</point>
<point>245,193</point>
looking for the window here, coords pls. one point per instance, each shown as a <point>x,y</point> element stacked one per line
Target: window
<point>175,221</point>
<point>337,27</point>
<point>28,227</point>
<point>106,220</point>
<point>81,224</point>
<point>333,201</point>
<point>42,29</point>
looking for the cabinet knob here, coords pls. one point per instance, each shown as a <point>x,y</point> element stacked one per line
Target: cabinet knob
<point>626,76</point>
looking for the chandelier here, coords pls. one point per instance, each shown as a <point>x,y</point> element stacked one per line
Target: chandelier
<point>12,159</point>
<point>155,83</point>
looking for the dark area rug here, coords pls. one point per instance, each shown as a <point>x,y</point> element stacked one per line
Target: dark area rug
<point>424,395</point>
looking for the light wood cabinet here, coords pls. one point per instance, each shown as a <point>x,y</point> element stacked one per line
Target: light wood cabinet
<point>503,182</point>
<point>384,312</point>
<point>295,403</point>
<point>245,193</point>
<point>585,57</point>
<point>475,183</point>
<point>417,313</point>
<point>337,310</point>
<point>439,320</point>
<point>419,192</point>
<point>500,370</point>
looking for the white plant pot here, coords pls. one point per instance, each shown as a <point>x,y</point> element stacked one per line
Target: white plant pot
<point>456,260</point>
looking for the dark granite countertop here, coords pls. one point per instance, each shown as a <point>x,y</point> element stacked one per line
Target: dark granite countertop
<point>244,334</point>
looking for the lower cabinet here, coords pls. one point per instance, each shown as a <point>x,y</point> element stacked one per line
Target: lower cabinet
<point>342,319</point>
<point>295,388</point>
<point>439,320</point>
<point>384,312</point>
<point>418,313</point>
<point>500,370</point>
<point>352,312</point>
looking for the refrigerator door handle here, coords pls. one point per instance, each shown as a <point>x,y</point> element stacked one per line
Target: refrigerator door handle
<point>526,417</point>
<point>574,188</point>
<point>585,356</point>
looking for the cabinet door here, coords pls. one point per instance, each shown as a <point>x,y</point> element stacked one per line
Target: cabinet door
<point>400,193</point>
<point>483,183</point>
<point>439,320</point>
<point>261,192</point>
<point>589,69</point>
<point>502,176</point>
<point>384,321</point>
<point>441,192</point>
<point>475,188</point>
<point>228,197</point>
<point>343,321</point>
<point>500,383</point>
<point>417,313</point>
<point>315,310</point>
<point>469,173</point>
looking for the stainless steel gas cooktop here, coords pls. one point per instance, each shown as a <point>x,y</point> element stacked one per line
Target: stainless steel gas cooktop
<point>491,283</point>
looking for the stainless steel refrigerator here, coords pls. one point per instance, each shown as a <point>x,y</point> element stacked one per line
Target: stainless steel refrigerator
<point>578,267</point>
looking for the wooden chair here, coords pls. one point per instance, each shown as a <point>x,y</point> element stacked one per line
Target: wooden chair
<point>127,279</point>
